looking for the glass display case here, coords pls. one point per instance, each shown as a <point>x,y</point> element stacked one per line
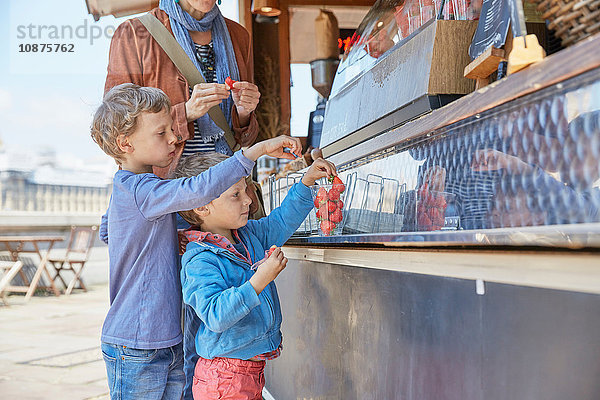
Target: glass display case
<point>526,172</point>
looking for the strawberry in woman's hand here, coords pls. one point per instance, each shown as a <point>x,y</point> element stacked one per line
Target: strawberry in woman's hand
<point>229,82</point>
<point>271,250</point>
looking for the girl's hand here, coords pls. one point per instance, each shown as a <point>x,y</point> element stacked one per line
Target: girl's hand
<point>269,270</point>
<point>245,96</point>
<point>318,169</point>
<point>204,97</point>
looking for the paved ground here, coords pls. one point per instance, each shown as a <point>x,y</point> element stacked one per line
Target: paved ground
<point>50,347</point>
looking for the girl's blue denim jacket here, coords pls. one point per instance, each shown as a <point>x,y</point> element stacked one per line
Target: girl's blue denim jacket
<point>235,321</point>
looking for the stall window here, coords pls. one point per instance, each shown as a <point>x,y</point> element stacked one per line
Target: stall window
<point>304,99</point>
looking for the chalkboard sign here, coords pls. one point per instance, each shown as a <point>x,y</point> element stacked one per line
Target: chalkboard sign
<point>517,17</point>
<point>492,28</point>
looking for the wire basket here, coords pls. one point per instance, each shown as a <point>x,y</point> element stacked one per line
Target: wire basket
<point>571,20</point>
<point>278,189</point>
<point>374,205</point>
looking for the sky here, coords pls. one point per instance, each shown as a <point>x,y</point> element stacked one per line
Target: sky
<point>47,98</point>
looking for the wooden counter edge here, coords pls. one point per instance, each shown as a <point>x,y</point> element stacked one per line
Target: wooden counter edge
<point>561,271</point>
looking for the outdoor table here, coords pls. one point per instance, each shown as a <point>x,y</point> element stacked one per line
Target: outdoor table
<point>17,245</point>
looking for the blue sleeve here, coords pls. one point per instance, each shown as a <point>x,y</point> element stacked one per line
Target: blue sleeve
<point>156,197</point>
<point>103,230</point>
<point>282,222</point>
<point>218,305</point>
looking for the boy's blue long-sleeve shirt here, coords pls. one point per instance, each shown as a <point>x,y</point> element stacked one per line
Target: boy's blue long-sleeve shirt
<point>140,228</point>
<point>235,321</point>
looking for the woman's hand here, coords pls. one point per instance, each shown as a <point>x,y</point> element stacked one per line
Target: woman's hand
<point>204,97</point>
<point>245,96</point>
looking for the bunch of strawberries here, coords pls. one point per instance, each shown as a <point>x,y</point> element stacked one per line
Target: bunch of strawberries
<point>431,209</point>
<point>329,205</point>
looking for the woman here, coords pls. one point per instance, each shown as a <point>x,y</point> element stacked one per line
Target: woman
<point>218,47</point>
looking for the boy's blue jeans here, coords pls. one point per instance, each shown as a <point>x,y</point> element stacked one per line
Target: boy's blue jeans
<point>144,374</point>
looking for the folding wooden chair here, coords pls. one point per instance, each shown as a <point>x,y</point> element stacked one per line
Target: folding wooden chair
<point>9,269</point>
<point>75,257</point>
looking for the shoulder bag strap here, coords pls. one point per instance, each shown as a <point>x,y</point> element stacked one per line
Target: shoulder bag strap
<point>187,68</point>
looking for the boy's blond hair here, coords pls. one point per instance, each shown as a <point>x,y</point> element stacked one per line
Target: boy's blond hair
<point>118,114</point>
<point>194,165</point>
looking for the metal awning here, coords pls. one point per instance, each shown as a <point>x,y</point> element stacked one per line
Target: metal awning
<point>118,8</point>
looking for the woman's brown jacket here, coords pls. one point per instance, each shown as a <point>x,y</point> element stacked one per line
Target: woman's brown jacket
<point>137,58</point>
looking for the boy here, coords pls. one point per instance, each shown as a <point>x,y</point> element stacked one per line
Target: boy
<point>141,336</point>
<point>238,308</point>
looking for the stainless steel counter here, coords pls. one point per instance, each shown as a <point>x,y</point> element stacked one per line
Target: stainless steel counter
<point>361,333</point>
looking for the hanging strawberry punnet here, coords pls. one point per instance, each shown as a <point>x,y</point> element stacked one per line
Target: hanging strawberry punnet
<point>329,205</point>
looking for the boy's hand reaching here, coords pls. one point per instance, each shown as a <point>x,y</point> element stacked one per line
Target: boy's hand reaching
<point>268,270</point>
<point>320,168</point>
<point>274,148</point>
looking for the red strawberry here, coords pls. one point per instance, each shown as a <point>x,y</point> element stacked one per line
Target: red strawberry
<point>435,216</point>
<point>321,196</point>
<point>441,202</point>
<point>316,203</point>
<point>322,212</point>
<point>229,82</point>
<point>338,184</point>
<point>327,227</point>
<point>340,204</point>
<point>331,206</point>
<point>334,194</point>
<point>424,220</point>
<point>336,216</point>
<point>271,250</point>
